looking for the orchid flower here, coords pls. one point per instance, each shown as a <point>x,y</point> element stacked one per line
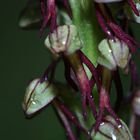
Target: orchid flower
<point>96,46</point>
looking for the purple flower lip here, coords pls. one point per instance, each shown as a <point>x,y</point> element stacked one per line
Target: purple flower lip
<point>133,6</point>
<point>49,14</point>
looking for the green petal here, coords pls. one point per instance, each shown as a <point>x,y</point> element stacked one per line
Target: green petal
<point>65,39</point>
<point>38,95</point>
<point>111,130</point>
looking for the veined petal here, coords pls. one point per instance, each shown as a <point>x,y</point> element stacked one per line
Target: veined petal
<point>115,52</point>
<point>109,129</point>
<point>38,95</point>
<point>65,39</point>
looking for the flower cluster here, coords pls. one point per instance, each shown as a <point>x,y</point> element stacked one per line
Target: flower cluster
<point>94,41</point>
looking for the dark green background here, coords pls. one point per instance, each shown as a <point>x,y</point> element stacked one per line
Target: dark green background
<point>22,58</point>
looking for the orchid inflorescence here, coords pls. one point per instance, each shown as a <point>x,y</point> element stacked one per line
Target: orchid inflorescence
<point>95,42</point>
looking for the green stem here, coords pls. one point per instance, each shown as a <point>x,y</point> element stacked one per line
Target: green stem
<point>106,79</point>
<point>90,32</point>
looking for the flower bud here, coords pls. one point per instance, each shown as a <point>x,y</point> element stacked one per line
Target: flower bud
<point>65,39</point>
<point>113,53</point>
<point>109,129</point>
<point>38,95</point>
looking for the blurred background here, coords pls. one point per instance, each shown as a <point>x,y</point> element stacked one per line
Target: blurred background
<point>23,58</point>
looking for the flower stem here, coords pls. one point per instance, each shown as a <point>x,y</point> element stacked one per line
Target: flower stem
<point>84,18</point>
